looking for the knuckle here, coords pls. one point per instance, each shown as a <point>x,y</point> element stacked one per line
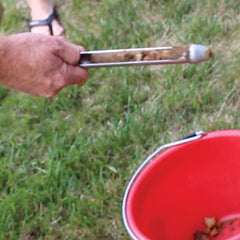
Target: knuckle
<point>58,46</point>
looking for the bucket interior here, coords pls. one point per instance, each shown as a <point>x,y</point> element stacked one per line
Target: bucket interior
<point>184,184</point>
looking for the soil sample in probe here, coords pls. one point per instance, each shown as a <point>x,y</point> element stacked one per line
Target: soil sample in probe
<point>171,53</point>
<point>192,53</point>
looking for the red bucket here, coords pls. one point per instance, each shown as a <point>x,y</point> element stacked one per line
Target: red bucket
<point>172,192</point>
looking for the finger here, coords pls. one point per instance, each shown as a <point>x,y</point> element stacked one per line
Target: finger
<point>76,75</point>
<point>68,52</point>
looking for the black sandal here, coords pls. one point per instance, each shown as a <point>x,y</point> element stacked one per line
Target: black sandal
<point>44,22</point>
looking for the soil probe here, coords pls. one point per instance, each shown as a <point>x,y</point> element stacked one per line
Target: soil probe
<point>192,53</point>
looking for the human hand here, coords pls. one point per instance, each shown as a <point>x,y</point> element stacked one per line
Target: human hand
<point>38,64</point>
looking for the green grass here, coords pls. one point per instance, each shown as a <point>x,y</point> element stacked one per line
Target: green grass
<point>65,162</point>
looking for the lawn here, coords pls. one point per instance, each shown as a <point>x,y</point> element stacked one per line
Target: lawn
<point>65,161</point>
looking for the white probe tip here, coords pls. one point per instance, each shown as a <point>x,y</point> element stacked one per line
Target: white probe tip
<point>199,53</point>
